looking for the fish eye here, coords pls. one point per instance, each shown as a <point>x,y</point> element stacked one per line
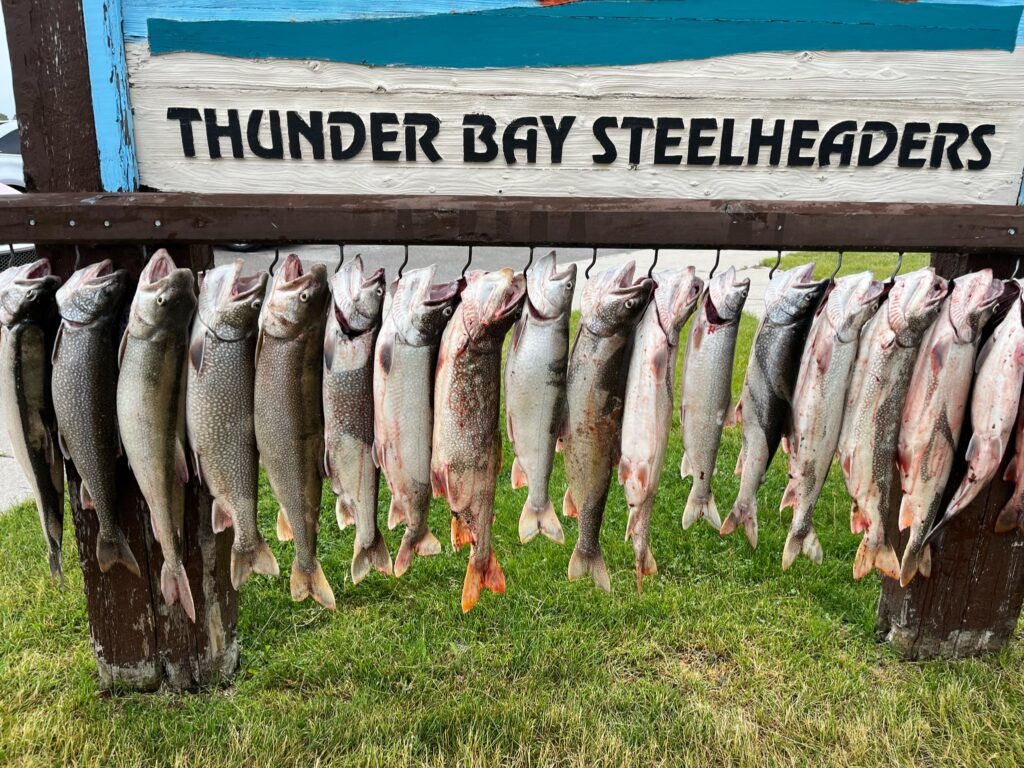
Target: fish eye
<point>161,300</point>
<point>380,290</point>
<point>630,303</point>
<point>568,286</point>
<point>256,304</point>
<point>304,296</point>
<point>31,295</point>
<point>447,311</point>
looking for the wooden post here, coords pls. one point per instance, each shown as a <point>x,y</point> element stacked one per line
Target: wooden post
<point>139,643</point>
<point>971,603</point>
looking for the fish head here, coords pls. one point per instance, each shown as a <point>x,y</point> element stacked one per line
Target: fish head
<point>230,302</point>
<point>914,302</point>
<point>421,308</point>
<point>851,303</point>
<point>27,292</point>
<point>492,302</point>
<point>165,298</point>
<point>550,289</point>
<point>675,297</point>
<point>726,295</point>
<point>613,301</point>
<point>792,293</point>
<point>297,299</point>
<point>358,297</point>
<point>92,293</point>
<point>972,302</point>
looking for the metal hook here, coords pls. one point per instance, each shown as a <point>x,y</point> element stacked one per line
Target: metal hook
<point>469,262</point>
<point>530,262</point>
<point>650,272</point>
<point>714,268</point>
<point>404,263</point>
<point>145,252</point>
<point>10,257</point>
<point>341,257</point>
<point>78,256</point>
<point>839,265</point>
<point>775,266</point>
<point>593,261</point>
<point>899,266</point>
<point>277,255</point>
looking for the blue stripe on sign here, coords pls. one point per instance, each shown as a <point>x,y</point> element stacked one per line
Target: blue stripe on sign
<point>108,78</point>
<point>1001,3</point>
<point>603,33</point>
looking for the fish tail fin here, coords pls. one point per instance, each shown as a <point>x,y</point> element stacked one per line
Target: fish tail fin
<point>915,562</point>
<point>805,543</point>
<point>592,565</point>
<point>345,513</point>
<point>284,528</point>
<point>221,517</point>
<point>427,546</point>
<point>462,534</point>
<point>859,521</point>
<point>698,507</point>
<point>396,513</point>
<point>645,565</point>
<point>743,513</point>
<point>113,550</point>
<point>259,559</point>
<point>489,576</point>
<point>1010,517</point>
<point>685,467</point>
<point>569,505</point>
<point>312,583</point>
<point>883,557</point>
<point>984,455</point>
<point>374,556</point>
<point>175,588</point>
<point>519,478</point>
<point>537,519</point>
<point>789,496</point>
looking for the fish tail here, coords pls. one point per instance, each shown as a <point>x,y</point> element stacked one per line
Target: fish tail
<point>312,583</point>
<point>284,528</point>
<point>489,576</point>
<point>221,517</point>
<point>397,513</point>
<point>175,588</point>
<point>805,542</point>
<point>881,556</point>
<point>462,534</point>
<point>53,531</point>
<point>698,506</point>
<point>426,546</point>
<point>745,513</point>
<point>114,549</point>
<point>537,519</point>
<point>915,560</point>
<point>592,565</point>
<point>519,478</point>
<point>259,558</point>
<point>569,505</point>
<point>345,513</point>
<point>1011,516</point>
<point>374,556</point>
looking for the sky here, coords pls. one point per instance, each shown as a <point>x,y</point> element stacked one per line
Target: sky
<point>6,88</point>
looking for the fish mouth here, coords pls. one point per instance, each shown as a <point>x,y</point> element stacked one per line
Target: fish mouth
<point>159,267</point>
<point>514,298</point>
<point>636,289</point>
<point>37,270</point>
<point>376,278</point>
<point>803,277</point>
<point>442,293</point>
<point>993,294</point>
<point>940,289</point>
<point>245,287</point>
<point>291,271</point>
<point>98,274</point>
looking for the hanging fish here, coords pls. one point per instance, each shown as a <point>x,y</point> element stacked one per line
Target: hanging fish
<point>27,314</point>
<point>934,411</point>
<point>403,403</point>
<point>765,402</point>
<point>85,397</point>
<point>874,406</point>
<point>219,410</point>
<point>535,375</point>
<point>612,305</point>
<point>647,415</point>
<point>818,400</point>
<point>151,409</point>
<point>353,322</point>
<point>289,415</point>
<point>707,389</point>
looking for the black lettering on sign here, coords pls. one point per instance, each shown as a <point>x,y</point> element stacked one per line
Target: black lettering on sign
<point>601,126</point>
<point>984,153</point>
<point>664,142</point>
<point>798,142</point>
<point>511,141</point>
<point>773,141</point>
<point>426,141</point>
<point>185,117</point>
<point>725,155</point>
<point>470,137</point>
<point>960,136</point>
<point>214,132</point>
<point>252,134</point>
<point>379,137</point>
<point>887,129</point>
<point>838,140</point>
<point>911,143</point>
<point>337,119</point>
<point>312,131</point>
<point>698,141</point>
<point>557,134</point>
<point>636,127</point>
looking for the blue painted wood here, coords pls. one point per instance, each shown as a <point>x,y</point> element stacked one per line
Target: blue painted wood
<point>1002,3</point>
<point>108,75</point>
<point>604,32</point>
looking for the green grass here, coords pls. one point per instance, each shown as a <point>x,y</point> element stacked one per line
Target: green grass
<point>724,659</point>
<point>880,264</point>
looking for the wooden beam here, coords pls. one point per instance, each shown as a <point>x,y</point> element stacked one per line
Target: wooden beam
<point>161,218</point>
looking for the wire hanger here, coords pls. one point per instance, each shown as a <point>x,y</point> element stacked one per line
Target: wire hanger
<point>78,256</point>
<point>593,261</point>
<point>899,266</point>
<point>145,252</point>
<point>839,265</point>
<point>714,267</point>
<point>1016,269</point>
<point>650,272</point>
<point>530,262</point>
<point>341,257</point>
<point>405,261</point>
<point>469,262</point>
<point>775,266</point>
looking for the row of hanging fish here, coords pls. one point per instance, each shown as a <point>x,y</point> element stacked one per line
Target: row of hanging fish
<point>313,379</point>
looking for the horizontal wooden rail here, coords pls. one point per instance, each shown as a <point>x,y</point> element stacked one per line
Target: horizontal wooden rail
<point>155,218</point>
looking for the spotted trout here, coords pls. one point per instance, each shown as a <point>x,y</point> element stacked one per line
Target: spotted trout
<point>353,322</point>
<point>289,415</point>
<point>765,401</point>
<point>27,315</point>
<point>535,375</point>
<point>151,409</point>
<point>85,397</point>
<point>613,303</point>
<point>818,401</point>
<point>219,406</point>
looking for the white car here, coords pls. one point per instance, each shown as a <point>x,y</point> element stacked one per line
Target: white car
<point>12,172</point>
<point>14,254</point>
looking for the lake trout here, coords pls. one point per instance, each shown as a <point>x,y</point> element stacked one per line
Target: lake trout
<point>219,406</point>
<point>647,415</point>
<point>289,415</point>
<point>818,400</point>
<point>151,409</point>
<point>934,411</point>
<point>28,312</point>
<point>85,397</point>
<point>353,322</point>
<point>403,403</point>
<point>613,304</point>
<point>707,389</point>
<point>535,374</point>
<point>765,402</point>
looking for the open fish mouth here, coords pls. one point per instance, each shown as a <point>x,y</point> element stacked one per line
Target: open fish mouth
<point>514,298</point>
<point>159,267</point>
<point>244,287</point>
<point>292,276</point>
<point>98,274</point>
<point>377,277</point>
<point>442,293</point>
<point>993,295</point>
<point>37,270</point>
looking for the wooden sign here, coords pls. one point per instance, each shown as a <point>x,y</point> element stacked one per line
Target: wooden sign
<point>852,100</point>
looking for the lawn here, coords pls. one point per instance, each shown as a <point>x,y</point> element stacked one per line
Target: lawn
<point>724,659</point>
<point>880,264</point>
